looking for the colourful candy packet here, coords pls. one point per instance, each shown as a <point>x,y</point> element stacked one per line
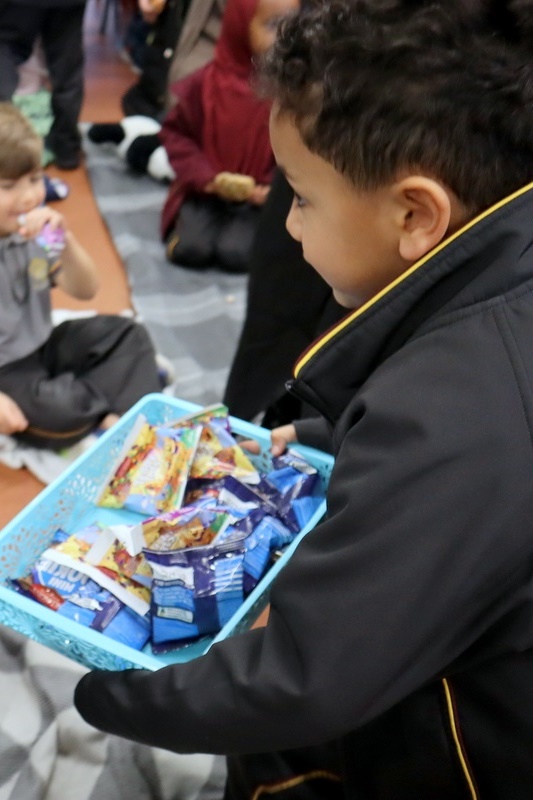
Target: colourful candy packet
<point>205,415</point>
<point>198,530</point>
<point>218,453</point>
<point>152,470</point>
<point>74,595</point>
<point>72,553</point>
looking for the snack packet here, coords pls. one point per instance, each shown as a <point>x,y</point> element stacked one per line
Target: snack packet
<point>195,590</point>
<point>299,486</point>
<point>75,596</point>
<point>72,552</point>
<point>218,453</point>
<point>263,534</point>
<point>152,469</point>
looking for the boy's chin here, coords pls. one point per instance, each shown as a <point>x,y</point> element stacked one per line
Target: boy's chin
<point>348,301</point>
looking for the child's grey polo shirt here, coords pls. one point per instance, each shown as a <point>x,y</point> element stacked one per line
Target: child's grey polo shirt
<point>25,307</point>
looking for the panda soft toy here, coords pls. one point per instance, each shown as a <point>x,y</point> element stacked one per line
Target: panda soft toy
<point>137,143</point>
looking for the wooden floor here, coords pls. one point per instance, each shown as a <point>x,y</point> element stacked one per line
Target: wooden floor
<point>106,78</point>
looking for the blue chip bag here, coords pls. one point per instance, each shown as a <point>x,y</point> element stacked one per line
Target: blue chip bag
<point>195,590</point>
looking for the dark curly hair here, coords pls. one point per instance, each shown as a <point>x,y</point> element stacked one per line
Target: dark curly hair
<point>380,87</point>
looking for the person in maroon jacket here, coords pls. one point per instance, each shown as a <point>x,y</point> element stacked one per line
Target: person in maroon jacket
<point>217,141</point>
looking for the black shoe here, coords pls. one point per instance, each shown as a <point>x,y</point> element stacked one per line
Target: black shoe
<point>68,161</point>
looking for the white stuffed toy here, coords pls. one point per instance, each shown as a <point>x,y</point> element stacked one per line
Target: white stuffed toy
<point>137,144</point>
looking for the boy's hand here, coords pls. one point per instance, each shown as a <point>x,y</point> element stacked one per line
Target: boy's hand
<point>12,420</point>
<point>279,439</point>
<point>32,223</point>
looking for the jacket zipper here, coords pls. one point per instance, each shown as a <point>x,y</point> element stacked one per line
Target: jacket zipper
<point>307,395</point>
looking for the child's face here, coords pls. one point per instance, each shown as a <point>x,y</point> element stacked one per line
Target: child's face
<point>346,235</point>
<point>263,24</point>
<point>18,196</point>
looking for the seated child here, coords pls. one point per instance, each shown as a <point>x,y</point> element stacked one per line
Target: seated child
<point>217,148</point>
<point>56,384</point>
<point>400,635</point>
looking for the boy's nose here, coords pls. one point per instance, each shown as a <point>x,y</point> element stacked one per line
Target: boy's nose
<point>292,223</point>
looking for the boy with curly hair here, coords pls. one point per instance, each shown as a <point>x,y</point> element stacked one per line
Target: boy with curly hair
<point>398,656</point>
<point>56,384</point>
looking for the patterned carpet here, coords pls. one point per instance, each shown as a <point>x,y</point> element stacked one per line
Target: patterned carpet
<point>47,752</point>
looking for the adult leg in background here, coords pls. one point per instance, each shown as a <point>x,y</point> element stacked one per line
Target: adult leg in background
<point>62,38</point>
<point>19,27</point>
<point>288,305</point>
<point>236,238</point>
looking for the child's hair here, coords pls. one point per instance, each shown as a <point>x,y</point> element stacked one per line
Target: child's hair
<point>379,88</point>
<point>20,145</point>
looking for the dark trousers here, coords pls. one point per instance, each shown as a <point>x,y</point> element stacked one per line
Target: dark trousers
<point>148,96</point>
<point>61,31</point>
<point>88,368</point>
<point>288,305</point>
<point>309,773</point>
<point>211,232</point>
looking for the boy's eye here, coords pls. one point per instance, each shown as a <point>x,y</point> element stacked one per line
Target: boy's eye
<point>6,185</point>
<point>37,177</point>
<point>300,202</point>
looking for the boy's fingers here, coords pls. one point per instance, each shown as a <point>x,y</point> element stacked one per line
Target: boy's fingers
<point>279,445</point>
<point>251,446</point>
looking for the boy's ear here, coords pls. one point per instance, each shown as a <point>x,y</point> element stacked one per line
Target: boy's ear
<point>425,214</point>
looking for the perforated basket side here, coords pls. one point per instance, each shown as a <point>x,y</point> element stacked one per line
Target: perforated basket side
<point>72,497</point>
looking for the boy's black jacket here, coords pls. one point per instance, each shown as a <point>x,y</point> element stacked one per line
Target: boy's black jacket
<point>403,625</point>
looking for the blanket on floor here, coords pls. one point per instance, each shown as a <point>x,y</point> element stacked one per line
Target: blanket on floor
<point>47,752</point>
<point>194,317</point>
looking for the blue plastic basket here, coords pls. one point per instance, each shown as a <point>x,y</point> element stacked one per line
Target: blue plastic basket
<point>69,503</point>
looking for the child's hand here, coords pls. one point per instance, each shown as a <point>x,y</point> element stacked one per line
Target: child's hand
<point>32,223</point>
<point>12,420</point>
<point>259,195</point>
<point>151,9</point>
<point>279,439</point>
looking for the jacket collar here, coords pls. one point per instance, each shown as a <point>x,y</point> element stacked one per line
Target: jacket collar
<point>481,260</point>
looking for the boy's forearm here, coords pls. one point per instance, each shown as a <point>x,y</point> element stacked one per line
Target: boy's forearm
<point>78,276</point>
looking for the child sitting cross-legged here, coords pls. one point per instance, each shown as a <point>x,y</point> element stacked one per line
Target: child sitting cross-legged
<point>56,384</point>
